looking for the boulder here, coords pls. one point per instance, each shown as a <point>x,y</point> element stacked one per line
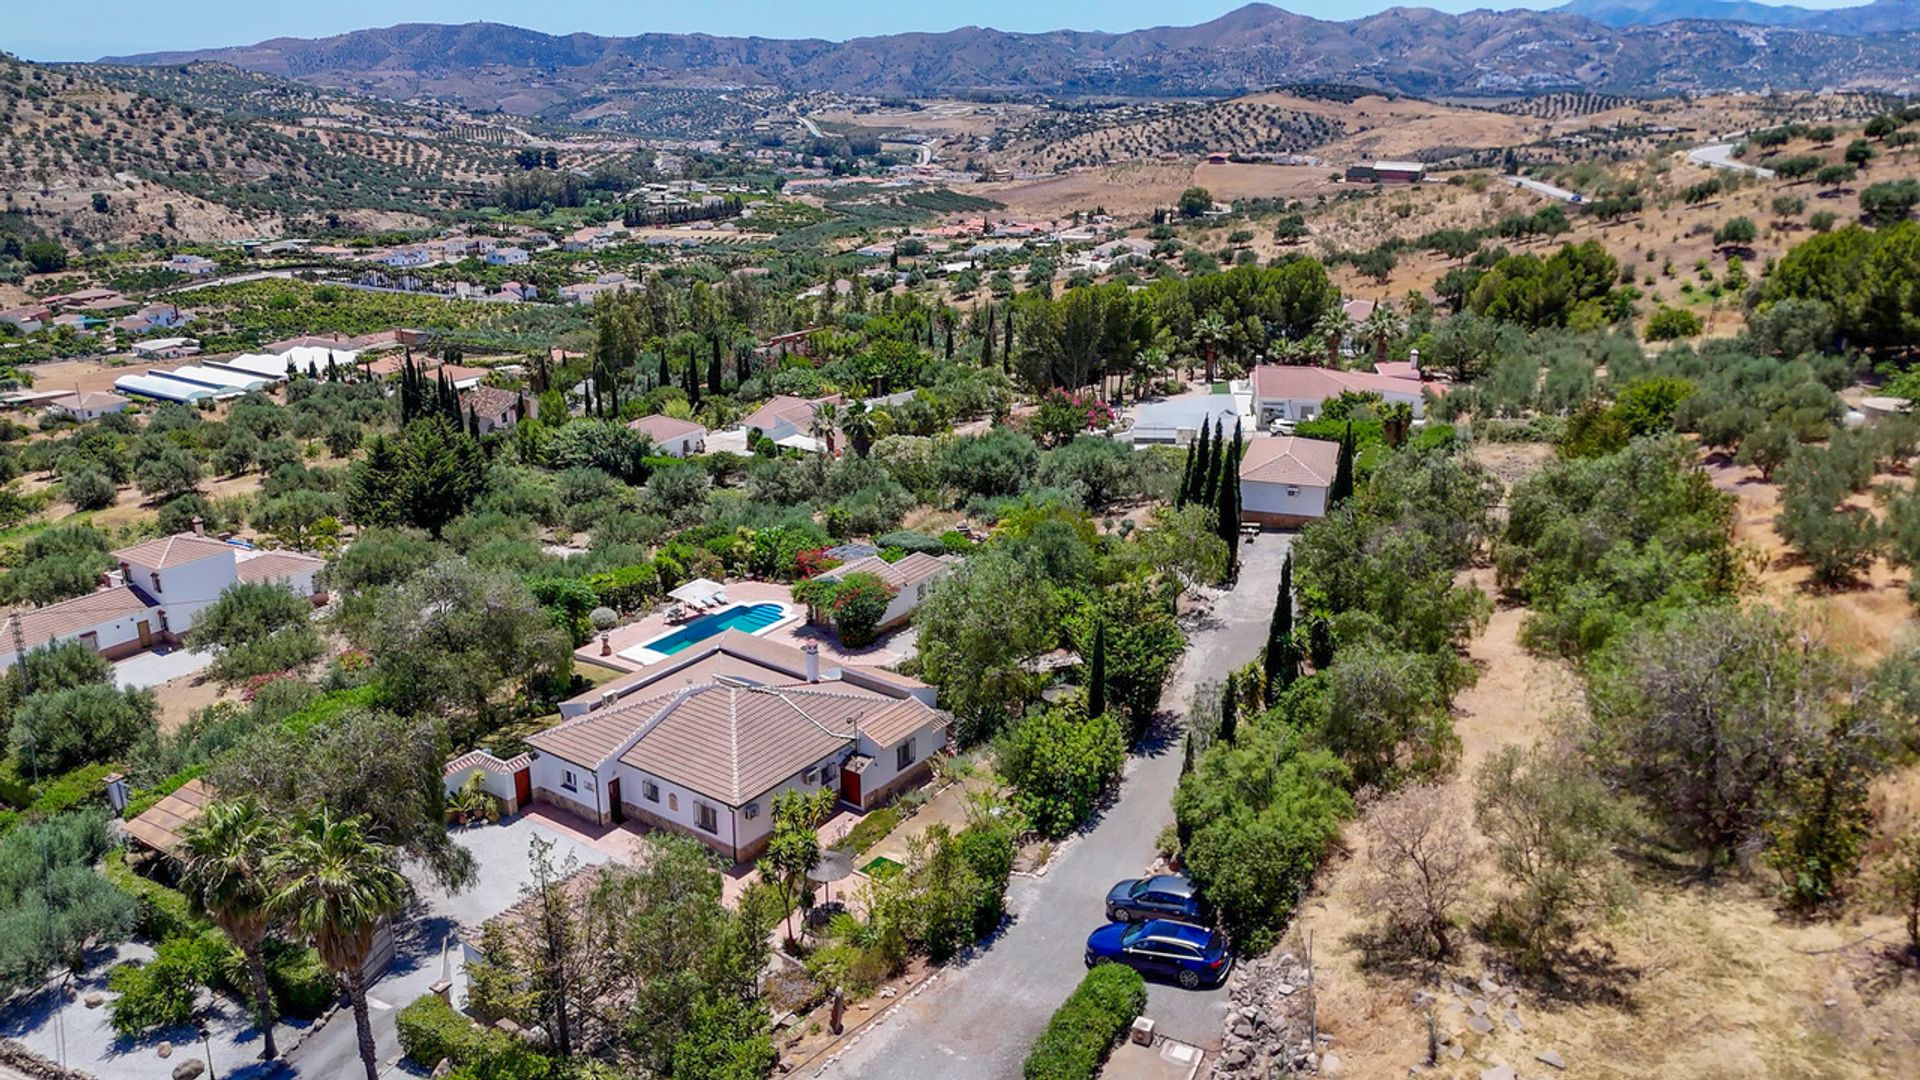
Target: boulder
<point>1329,1064</point>
<point>1499,1072</point>
<point>189,1069</point>
<point>1550,1057</point>
<point>94,1000</point>
<point>1513,1020</point>
<point>165,1049</point>
<point>1480,1025</point>
<point>1489,988</point>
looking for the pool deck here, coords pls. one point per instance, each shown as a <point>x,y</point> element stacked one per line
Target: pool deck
<point>794,632</point>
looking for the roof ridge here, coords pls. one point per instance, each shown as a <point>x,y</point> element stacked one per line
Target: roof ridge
<point>733,744</point>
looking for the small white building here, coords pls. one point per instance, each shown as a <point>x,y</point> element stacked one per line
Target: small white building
<point>88,404</point>
<point>508,256</point>
<point>914,576</point>
<point>1299,392</point>
<point>197,265</point>
<point>166,348</point>
<point>678,438</point>
<point>1285,481</point>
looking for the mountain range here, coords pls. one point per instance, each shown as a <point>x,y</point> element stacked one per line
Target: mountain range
<point>1409,50</point>
<point>1879,17</point>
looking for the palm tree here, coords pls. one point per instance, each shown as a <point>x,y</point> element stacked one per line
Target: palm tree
<point>1332,327</point>
<point>1381,327</point>
<point>856,420</point>
<point>226,878</point>
<point>337,886</point>
<point>1209,333</point>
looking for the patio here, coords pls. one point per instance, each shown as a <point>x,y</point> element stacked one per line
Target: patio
<point>622,646</point>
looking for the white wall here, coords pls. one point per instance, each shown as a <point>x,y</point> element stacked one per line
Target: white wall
<point>113,633</point>
<point>186,590</point>
<point>1308,408</point>
<point>547,776</point>
<point>497,784</point>
<point>1259,497</point>
<point>926,742</point>
<point>677,806</point>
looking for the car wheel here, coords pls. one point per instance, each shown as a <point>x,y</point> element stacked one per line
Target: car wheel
<point>1190,979</point>
<point>1119,915</point>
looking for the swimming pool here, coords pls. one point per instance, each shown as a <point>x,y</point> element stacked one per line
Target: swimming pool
<point>747,618</point>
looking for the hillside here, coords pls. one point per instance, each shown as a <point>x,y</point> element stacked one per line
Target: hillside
<point>489,66</point>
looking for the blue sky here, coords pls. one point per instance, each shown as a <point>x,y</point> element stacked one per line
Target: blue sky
<point>119,27</point>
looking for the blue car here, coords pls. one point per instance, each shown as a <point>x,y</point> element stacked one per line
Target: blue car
<point>1192,956</point>
<point>1163,896</point>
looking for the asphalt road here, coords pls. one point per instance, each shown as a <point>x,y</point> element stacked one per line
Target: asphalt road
<point>1542,188</point>
<point>1720,156</point>
<point>978,1020</point>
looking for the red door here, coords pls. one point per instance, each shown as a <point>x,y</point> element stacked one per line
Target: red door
<point>850,786</point>
<point>523,787</point>
<point>617,812</point>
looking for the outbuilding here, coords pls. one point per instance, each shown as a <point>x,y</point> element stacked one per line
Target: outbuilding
<point>1285,481</point>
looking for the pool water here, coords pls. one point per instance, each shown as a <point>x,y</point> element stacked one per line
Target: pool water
<point>747,618</point>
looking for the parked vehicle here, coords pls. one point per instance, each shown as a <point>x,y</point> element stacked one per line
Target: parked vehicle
<point>1193,956</point>
<point>1162,896</point>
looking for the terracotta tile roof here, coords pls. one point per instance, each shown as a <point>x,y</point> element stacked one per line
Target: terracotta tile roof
<point>1300,382</point>
<point>480,759</point>
<point>176,550</point>
<point>862,674</point>
<point>590,739</point>
<point>797,411</point>
<point>43,624</point>
<point>912,570</point>
<point>489,400</point>
<point>455,373</point>
<point>277,566</point>
<point>89,399</point>
<point>899,720</point>
<point>163,824</point>
<point>1289,460</point>
<point>660,428</point>
<point>735,743</point>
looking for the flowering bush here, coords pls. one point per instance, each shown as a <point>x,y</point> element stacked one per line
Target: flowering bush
<point>1062,415</point>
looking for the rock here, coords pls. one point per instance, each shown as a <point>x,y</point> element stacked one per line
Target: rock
<point>1479,1006</point>
<point>1513,1020</point>
<point>1250,1012</point>
<point>165,1049</point>
<point>1421,997</point>
<point>1480,1025</point>
<point>1550,1057</point>
<point>889,992</point>
<point>1285,989</point>
<point>95,1000</point>
<point>1830,1002</point>
<point>1456,1051</point>
<point>1489,988</point>
<point>189,1069</point>
<point>1511,1001</point>
<point>1499,1072</point>
<point>1456,1008</point>
<point>1329,1065</point>
<point>1459,991</point>
<point>442,1070</point>
<point>1234,1056</point>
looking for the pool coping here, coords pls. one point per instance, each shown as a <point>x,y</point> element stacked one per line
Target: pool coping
<point>642,655</point>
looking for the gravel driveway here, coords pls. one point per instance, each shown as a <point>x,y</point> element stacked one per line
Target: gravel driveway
<point>981,1016</point>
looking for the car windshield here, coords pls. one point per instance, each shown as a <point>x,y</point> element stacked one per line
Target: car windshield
<point>1140,886</point>
<point>1134,933</point>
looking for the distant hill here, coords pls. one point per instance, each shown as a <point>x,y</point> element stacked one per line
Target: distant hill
<point>1879,17</point>
<point>1410,50</point>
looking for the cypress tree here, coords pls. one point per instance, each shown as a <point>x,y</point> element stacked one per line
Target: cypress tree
<point>1282,660</point>
<point>1210,475</point>
<point>1006,349</point>
<point>1186,480</point>
<point>714,385</point>
<point>949,355</point>
<point>693,380</point>
<point>1186,755</point>
<point>986,341</point>
<point>739,365</point>
<point>1343,472</point>
<point>666,373</point>
<point>1229,709</point>
<point>1097,673</point>
<point>1202,465</point>
<point>1227,514</point>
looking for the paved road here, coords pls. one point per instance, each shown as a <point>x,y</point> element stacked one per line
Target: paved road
<point>1542,188</point>
<point>977,1022</point>
<point>1720,156</point>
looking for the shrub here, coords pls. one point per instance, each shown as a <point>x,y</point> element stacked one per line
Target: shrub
<point>160,913</point>
<point>430,1031</point>
<point>1059,762</point>
<point>301,983</point>
<point>1085,1028</point>
<point>161,993</point>
<point>626,588</point>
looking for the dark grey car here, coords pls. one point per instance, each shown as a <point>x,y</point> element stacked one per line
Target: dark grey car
<point>1163,896</point>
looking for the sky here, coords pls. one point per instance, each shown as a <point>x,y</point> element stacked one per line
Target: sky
<point>122,27</point>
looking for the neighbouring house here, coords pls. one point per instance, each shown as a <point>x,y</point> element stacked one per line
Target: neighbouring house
<point>679,438</point>
<point>700,743</point>
<point>159,589</point>
<point>1298,392</point>
<point>493,409</point>
<point>913,576</point>
<point>510,781</point>
<point>784,415</point>
<point>197,265</point>
<point>1386,172</point>
<point>1284,480</point>
<point>166,348</point>
<point>88,405</point>
<point>27,319</point>
<point>508,256</point>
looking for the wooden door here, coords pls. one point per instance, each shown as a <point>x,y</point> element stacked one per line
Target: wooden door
<point>850,786</point>
<point>523,787</point>
<point>146,634</point>
<point>613,801</point>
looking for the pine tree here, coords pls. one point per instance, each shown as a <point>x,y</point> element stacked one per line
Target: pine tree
<point>1283,655</point>
<point>1229,709</point>
<point>1097,673</point>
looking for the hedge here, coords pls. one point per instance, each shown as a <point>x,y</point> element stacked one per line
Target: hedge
<point>160,913</point>
<point>1085,1028</point>
<point>626,588</point>
<point>431,1030</point>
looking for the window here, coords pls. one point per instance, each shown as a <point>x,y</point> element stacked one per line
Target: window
<point>1293,491</point>
<point>903,757</point>
<point>569,780</point>
<point>650,791</point>
<point>707,816</point>
<point>809,777</point>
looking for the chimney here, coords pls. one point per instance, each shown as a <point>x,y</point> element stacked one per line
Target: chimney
<point>1413,357</point>
<point>199,526</point>
<point>117,793</point>
<point>812,652</point>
